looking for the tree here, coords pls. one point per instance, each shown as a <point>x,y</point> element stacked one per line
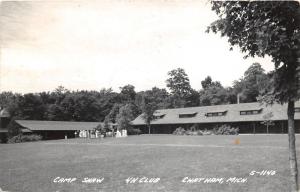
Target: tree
<point>125,116</point>
<point>106,99</point>
<point>112,116</point>
<point>148,108</point>
<point>179,84</point>
<point>127,93</point>
<point>268,120</point>
<point>254,83</point>
<point>100,128</point>
<point>213,93</point>
<point>207,82</point>
<point>13,128</point>
<point>157,95</point>
<point>106,124</point>
<point>271,28</point>
<point>10,101</point>
<point>59,93</point>
<point>192,100</point>
<point>31,107</point>
<point>213,96</point>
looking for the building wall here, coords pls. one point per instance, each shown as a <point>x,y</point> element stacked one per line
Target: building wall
<point>50,135</point>
<point>3,137</point>
<point>4,121</point>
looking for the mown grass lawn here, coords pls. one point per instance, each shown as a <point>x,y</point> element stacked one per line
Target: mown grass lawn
<point>34,166</point>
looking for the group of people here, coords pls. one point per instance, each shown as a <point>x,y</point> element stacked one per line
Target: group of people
<point>98,134</point>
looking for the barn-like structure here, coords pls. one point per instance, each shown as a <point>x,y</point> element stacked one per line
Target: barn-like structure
<point>48,129</point>
<point>57,129</point>
<point>248,117</point>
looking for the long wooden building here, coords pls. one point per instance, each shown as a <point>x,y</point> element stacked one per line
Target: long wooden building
<point>248,117</point>
<point>47,129</point>
<point>57,129</point>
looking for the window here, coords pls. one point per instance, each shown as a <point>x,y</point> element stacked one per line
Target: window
<point>159,116</point>
<point>243,112</point>
<point>297,109</point>
<point>250,112</point>
<point>215,114</point>
<point>187,115</point>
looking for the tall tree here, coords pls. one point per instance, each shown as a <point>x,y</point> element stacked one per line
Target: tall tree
<point>127,93</point>
<point>159,96</point>
<point>31,107</point>
<point>254,82</point>
<point>112,116</point>
<point>106,99</point>
<point>213,93</point>
<point>268,28</point>
<point>192,99</point>
<point>208,82</point>
<point>125,116</point>
<point>149,106</point>
<point>106,125</point>
<point>10,101</point>
<point>14,128</point>
<point>179,84</point>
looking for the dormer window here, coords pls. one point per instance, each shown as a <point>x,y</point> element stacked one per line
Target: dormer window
<point>215,114</point>
<point>251,112</point>
<point>187,115</point>
<point>297,109</point>
<point>159,116</point>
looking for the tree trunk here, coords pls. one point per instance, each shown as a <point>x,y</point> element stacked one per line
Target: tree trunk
<point>292,147</point>
<point>149,128</point>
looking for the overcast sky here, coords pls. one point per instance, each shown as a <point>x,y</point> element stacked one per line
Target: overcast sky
<point>101,44</point>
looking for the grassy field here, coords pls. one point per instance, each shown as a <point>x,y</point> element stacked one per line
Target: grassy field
<point>30,167</point>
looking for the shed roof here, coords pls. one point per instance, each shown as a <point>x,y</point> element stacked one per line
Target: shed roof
<point>23,130</point>
<point>232,115</point>
<point>57,125</point>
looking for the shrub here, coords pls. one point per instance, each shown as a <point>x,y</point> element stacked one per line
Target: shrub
<point>226,130</point>
<point>207,132</point>
<point>109,134</point>
<point>199,132</point>
<point>194,127</point>
<point>179,131</point>
<point>182,131</point>
<point>188,132</point>
<point>14,139</point>
<point>133,131</point>
<point>24,138</point>
<point>33,137</point>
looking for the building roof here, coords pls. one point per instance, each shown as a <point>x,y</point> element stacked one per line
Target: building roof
<point>232,114</point>
<point>34,125</point>
<point>22,130</point>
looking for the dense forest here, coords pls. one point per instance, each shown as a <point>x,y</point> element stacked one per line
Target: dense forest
<point>66,105</point>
